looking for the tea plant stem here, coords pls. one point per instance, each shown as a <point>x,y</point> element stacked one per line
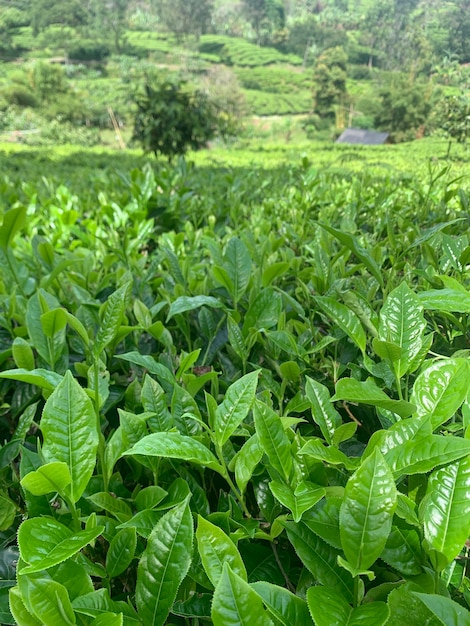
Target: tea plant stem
<point>289,585</point>
<point>230,482</point>
<point>356,591</point>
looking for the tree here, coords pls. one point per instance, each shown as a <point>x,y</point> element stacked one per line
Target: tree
<point>265,16</point>
<point>404,109</point>
<point>107,21</point>
<point>330,82</point>
<point>453,117</point>
<point>171,119</point>
<point>185,17</point>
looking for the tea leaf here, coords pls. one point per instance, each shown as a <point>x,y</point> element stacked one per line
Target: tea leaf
<point>235,603</point>
<point>68,425</point>
<point>164,564</point>
<point>365,518</point>
<point>445,511</point>
<point>235,407</point>
<point>330,609</point>
<point>175,446</point>
<point>215,549</point>
<point>286,607</point>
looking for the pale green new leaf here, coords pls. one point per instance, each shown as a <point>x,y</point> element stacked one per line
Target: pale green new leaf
<point>344,318</point>
<point>235,603</point>
<point>22,354</point>
<point>45,543</point>
<point>113,311</point>
<point>366,513</point>
<point>329,454</point>
<point>13,221</point>
<point>175,446</point>
<point>402,323</point>
<point>68,425</point>
<point>323,411</point>
<point>237,263</point>
<point>286,607</point>
<point>273,439</point>
<point>50,601</point>
<point>164,564</point>
<point>302,499</point>
<point>445,512</point>
<point>216,548</point>
<point>441,388</point>
<point>235,407</point>
<point>52,477</point>
<point>19,611</point>
<point>367,392</point>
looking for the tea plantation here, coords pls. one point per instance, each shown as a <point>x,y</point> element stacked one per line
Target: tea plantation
<point>234,390</point>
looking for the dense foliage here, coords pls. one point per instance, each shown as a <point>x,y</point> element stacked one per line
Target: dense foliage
<point>234,397</point>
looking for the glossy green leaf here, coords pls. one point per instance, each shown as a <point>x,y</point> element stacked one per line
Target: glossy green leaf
<point>344,432</point>
<point>73,576</point>
<point>323,520</point>
<point>273,439</point>
<point>320,559</point>
<point>406,608</point>
<point>329,454</point>
<point>17,607</point>
<point>424,454</point>
<point>273,271</point>
<point>264,311</point>
<point>445,300</point>
<point>323,411</point>
<point>302,499</point>
<point>22,354</point>
<point>98,603</point>
<point>39,377</point>
<point>367,392</point>
<point>352,244</point>
<point>68,425</point>
<point>235,603</point>
<point>110,503</point>
<point>7,511</point>
<point>52,477</point>
<point>113,311</point>
<point>53,322</point>
<point>367,511</point>
<point>235,407</point>
<point>164,564</point>
<point>108,619</point>
<point>49,348</point>
<point>446,610</point>
<point>286,607</point>
<point>216,548</point>
<point>344,318</point>
<point>154,401</point>
<point>50,602</point>
<point>329,609</point>
<point>121,551</point>
<point>402,323</point>
<point>45,543</point>
<point>246,460</point>
<point>237,263</point>
<point>445,511</point>
<point>187,303</point>
<point>175,446</point>
<point>403,551</point>
<point>441,388</point>
<point>406,510</point>
<point>13,221</point>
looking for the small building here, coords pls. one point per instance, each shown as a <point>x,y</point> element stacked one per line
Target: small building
<point>364,137</point>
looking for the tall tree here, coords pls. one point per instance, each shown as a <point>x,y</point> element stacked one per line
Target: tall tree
<point>265,16</point>
<point>330,82</point>
<point>185,17</point>
<point>108,21</point>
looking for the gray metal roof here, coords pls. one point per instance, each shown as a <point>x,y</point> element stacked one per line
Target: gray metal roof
<point>366,137</point>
